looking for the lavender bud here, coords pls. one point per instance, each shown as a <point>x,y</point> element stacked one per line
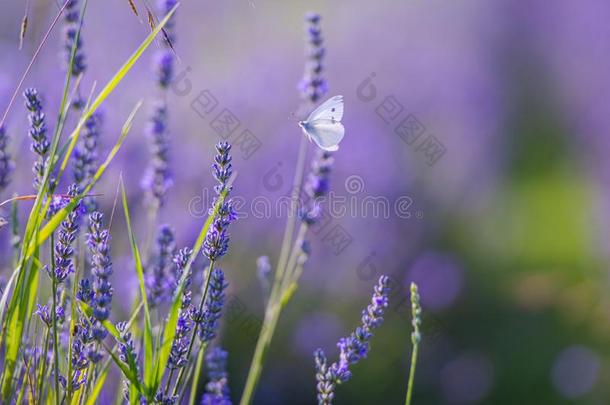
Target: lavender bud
<point>313,86</point>
<point>216,242</point>
<point>85,155</point>
<point>6,163</point>
<point>210,317</point>
<point>71,27</point>
<point>98,240</point>
<point>43,314</point>
<point>157,178</point>
<point>217,388</point>
<point>352,348</point>
<point>38,132</point>
<point>66,236</point>
<point>159,281</point>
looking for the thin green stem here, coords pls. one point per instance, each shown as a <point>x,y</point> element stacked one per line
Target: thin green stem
<point>197,373</point>
<point>273,309</point>
<point>79,266</point>
<point>169,381</point>
<point>196,327</point>
<point>291,267</point>
<point>42,374</point>
<point>412,374</point>
<point>54,321</point>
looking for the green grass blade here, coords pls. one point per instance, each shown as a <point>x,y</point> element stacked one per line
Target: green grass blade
<point>148,338</point>
<point>14,332</point>
<point>99,384</point>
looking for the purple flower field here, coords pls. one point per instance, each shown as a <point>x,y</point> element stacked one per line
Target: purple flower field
<point>259,202</point>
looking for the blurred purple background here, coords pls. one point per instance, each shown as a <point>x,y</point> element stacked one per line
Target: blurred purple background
<point>505,233</point>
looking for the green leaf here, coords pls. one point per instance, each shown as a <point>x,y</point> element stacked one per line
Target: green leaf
<point>99,384</point>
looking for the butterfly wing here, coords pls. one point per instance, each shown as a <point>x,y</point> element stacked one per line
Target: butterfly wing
<point>331,109</point>
<point>326,134</point>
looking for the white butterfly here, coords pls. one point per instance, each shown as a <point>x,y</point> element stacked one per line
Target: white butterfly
<point>323,125</point>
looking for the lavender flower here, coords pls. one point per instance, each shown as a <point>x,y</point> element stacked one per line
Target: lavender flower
<point>180,260</point>
<point>60,314</point>
<point>165,399</point>
<point>157,178</point>
<point>71,27</point>
<point>164,67</point>
<point>222,167</point>
<point>317,185</point>
<point>209,317</point>
<point>79,354</point>
<point>78,380</point>
<point>180,345</point>
<point>216,242</point>
<point>98,240</point>
<point>66,236</point>
<point>325,377</point>
<point>126,346</point>
<point>85,292</point>
<point>217,389</point>
<point>38,133</point>
<point>164,60</point>
<point>159,282</point>
<point>182,338</point>
<point>313,86</point>
<point>6,163</point>
<point>43,314</point>
<point>352,348</point>
<point>85,156</point>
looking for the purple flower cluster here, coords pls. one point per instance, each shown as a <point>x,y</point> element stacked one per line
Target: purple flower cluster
<point>159,281</point>
<point>98,240</point>
<point>80,338</point>
<point>157,178</point>
<point>182,339</point>
<point>164,59</point>
<point>85,155</point>
<point>71,27</point>
<point>6,163</point>
<point>352,348</point>
<point>208,319</point>
<point>126,345</point>
<point>180,260</point>
<point>216,242</point>
<point>38,132</point>
<point>317,185</point>
<point>65,238</point>
<point>43,313</point>
<point>313,86</point>
<point>217,388</point>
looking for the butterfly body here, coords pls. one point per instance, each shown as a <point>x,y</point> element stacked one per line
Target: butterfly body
<point>323,126</point>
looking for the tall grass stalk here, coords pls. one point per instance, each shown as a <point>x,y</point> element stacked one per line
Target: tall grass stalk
<point>274,304</point>
<point>415,339</point>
